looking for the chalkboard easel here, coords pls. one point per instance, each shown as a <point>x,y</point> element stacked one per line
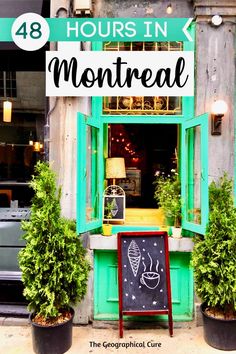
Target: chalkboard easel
<point>144,276</point>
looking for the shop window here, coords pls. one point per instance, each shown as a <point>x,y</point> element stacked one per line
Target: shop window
<point>148,149</point>
<point>128,105</point>
<point>8,84</point>
<point>21,145</point>
<point>21,138</point>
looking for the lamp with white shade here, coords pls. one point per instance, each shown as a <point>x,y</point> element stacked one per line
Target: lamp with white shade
<point>115,168</point>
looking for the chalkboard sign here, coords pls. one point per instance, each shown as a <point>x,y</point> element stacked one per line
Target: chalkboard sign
<point>118,207</point>
<point>144,275</point>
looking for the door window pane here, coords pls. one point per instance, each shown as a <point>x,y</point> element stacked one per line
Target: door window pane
<point>193,169</point>
<point>92,174</point>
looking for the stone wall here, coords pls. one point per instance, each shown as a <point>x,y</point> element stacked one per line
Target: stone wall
<point>30,91</point>
<point>215,77</point>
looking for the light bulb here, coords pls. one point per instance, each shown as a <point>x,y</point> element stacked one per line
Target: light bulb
<point>169,9</point>
<point>219,107</point>
<point>7,107</point>
<point>216,20</point>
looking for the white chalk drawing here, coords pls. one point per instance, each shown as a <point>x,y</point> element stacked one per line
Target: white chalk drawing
<point>134,256</point>
<point>150,279</point>
<point>115,208</point>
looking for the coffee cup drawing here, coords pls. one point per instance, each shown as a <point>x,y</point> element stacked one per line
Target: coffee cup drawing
<point>150,279</point>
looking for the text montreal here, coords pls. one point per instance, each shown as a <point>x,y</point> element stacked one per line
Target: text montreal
<point>119,76</point>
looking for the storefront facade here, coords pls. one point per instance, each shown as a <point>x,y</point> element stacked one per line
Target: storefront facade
<point>187,128</point>
<point>152,134</point>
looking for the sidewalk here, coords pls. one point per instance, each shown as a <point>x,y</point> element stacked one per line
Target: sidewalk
<point>86,340</point>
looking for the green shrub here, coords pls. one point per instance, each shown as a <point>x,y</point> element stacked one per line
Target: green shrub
<point>168,196</point>
<point>214,256</point>
<point>53,263</point>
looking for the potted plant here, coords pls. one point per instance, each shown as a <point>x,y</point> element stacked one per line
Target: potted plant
<point>214,261</point>
<point>53,264</point>
<point>168,197</point>
<point>107,228</point>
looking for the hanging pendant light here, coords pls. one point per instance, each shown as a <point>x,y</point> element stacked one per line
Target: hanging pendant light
<point>7,108</point>
<point>37,146</point>
<point>31,140</point>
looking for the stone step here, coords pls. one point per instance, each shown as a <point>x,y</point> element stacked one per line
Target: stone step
<point>13,310</point>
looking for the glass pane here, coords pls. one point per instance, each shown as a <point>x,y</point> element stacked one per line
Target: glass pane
<point>130,105</point>
<point>136,105</point>
<point>193,173</point>
<point>18,149</point>
<point>92,174</point>
<point>8,84</point>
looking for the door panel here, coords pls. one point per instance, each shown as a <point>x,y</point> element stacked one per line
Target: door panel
<point>106,286</point>
<point>89,174</point>
<point>194,174</point>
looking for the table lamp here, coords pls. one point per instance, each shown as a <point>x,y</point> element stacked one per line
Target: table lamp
<point>115,168</point>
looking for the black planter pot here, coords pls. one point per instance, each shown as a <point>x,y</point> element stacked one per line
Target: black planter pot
<point>220,334</point>
<point>52,339</point>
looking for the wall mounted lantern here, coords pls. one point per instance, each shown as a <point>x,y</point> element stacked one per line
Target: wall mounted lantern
<point>7,108</point>
<point>218,110</point>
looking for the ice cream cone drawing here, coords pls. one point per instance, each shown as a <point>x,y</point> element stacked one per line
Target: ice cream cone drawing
<point>134,256</point>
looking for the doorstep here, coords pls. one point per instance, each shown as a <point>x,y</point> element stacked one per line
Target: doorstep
<point>100,242</point>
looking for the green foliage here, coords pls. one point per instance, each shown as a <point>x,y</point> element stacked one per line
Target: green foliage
<point>53,263</point>
<point>168,196</point>
<point>214,256</point>
<point>108,208</point>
